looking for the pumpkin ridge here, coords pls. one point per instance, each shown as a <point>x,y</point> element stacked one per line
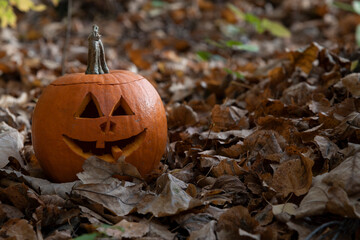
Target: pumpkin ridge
<point>98,83</point>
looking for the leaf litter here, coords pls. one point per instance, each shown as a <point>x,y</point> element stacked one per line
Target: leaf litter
<point>262,145</point>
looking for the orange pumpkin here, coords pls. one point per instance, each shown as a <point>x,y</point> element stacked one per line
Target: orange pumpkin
<point>108,115</point>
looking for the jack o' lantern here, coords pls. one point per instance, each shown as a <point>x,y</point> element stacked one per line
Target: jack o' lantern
<point>102,113</point>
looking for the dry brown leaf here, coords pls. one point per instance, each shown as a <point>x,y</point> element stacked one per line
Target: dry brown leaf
<point>265,143</point>
<point>18,229</point>
<point>283,212</point>
<point>232,220</point>
<point>229,183</point>
<point>118,199</point>
<point>298,94</point>
<point>10,211</point>
<point>206,232</point>
<point>11,143</point>
<point>227,167</point>
<point>158,231</point>
<point>227,118</point>
<point>227,134</point>
<point>327,148</point>
<point>304,60</point>
<point>59,235</point>
<point>7,101</point>
<point>335,192</point>
<point>181,115</point>
<point>172,198</point>
<point>125,229</point>
<point>99,171</point>
<point>294,175</point>
<point>352,83</point>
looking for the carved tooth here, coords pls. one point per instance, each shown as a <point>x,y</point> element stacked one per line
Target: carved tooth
<point>116,152</point>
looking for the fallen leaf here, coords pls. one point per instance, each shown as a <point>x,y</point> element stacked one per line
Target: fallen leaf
<point>171,200</point>
<point>18,229</point>
<point>158,231</point>
<point>99,171</point>
<point>293,175</point>
<point>352,83</point>
<point>335,192</point>
<point>7,101</point>
<point>118,199</point>
<point>11,143</point>
<point>125,229</point>
<point>327,148</point>
<point>227,118</point>
<point>304,59</point>
<point>206,232</point>
<point>181,115</point>
<point>43,186</point>
<point>232,220</point>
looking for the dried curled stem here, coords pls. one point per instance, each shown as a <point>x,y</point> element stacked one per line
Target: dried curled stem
<point>96,54</point>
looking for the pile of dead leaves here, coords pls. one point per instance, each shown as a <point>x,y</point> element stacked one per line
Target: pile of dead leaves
<point>277,159</point>
<point>274,154</point>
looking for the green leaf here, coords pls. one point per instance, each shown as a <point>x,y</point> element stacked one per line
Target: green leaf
<point>8,17</point>
<point>204,55</point>
<point>354,64</point>
<point>236,10</point>
<point>248,47</point>
<point>357,34</point>
<point>158,3</point>
<point>356,6</point>
<point>344,6</point>
<point>275,28</point>
<point>89,236</point>
<point>236,74</point>
<point>255,21</point>
<point>241,46</point>
<point>26,5</point>
<point>232,43</point>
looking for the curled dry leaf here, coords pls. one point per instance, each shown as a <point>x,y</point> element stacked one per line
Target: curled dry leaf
<point>232,220</point>
<point>41,185</point>
<point>352,83</point>
<point>99,171</point>
<point>118,199</point>
<point>10,101</point>
<point>11,143</point>
<point>336,192</point>
<point>182,115</point>
<point>225,118</point>
<point>171,200</point>
<point>206,232</point>
<point>327,148</point>
<point>299,94</point>
<point>293,175</point>
<point>304,59</point>
<point>125,229</point>
<point>227,134</point>
<point>18,229</point>
<point>158,231</point>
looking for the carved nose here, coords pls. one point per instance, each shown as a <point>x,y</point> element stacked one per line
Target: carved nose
<point>107,126</point>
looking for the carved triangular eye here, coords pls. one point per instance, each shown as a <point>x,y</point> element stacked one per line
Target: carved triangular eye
<point>122,108</point>
<point>89,108</point>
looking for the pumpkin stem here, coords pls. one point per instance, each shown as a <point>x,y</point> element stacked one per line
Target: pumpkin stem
<point>96,54</point>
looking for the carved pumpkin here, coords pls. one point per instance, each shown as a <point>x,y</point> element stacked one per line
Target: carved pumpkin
<point>108,115</point>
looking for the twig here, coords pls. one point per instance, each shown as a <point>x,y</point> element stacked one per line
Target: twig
<point>67,37</point>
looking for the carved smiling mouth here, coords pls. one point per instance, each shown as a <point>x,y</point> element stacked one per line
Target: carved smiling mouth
<point>112,150</point>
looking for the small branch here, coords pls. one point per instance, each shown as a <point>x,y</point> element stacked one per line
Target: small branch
<point>67,37</point>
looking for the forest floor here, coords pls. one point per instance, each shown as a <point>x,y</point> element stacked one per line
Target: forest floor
<point>262,103</point>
